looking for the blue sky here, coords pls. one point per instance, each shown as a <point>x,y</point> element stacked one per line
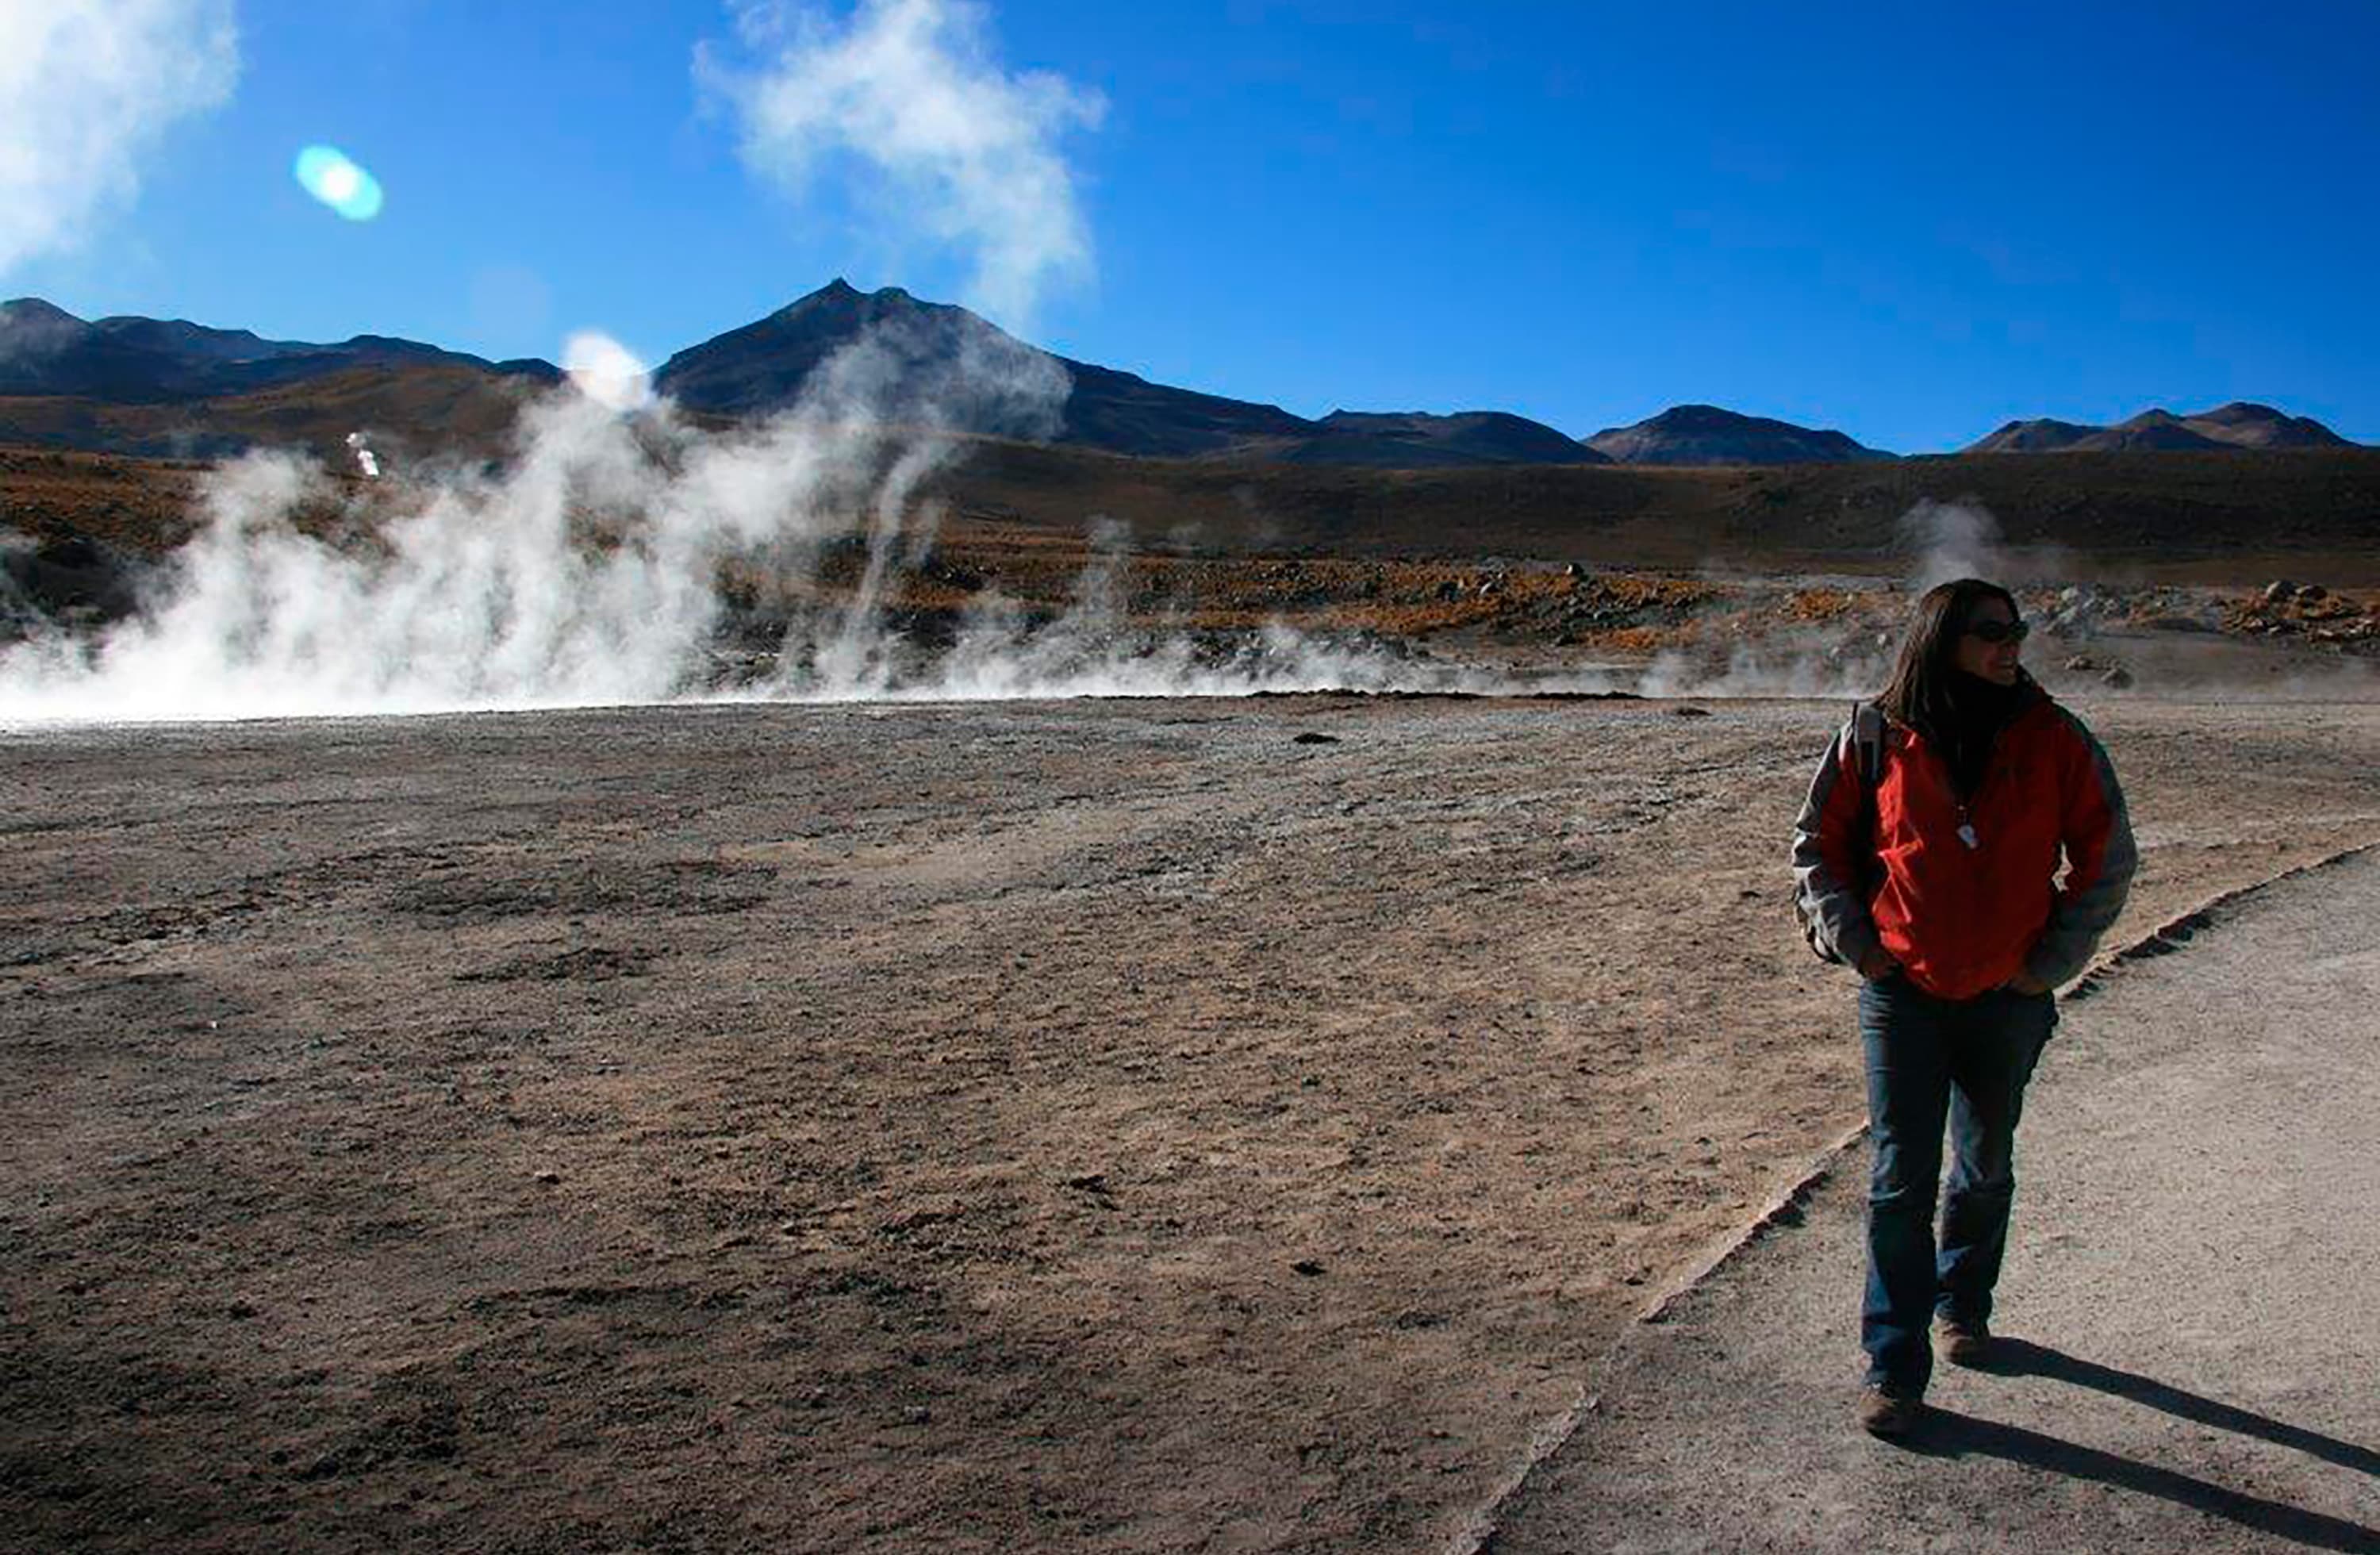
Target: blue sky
<point>1911,222</point>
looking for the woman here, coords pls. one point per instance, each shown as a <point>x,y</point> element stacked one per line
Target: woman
<point>1927,856</point>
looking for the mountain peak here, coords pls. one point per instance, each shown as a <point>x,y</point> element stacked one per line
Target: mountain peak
<point>2240,424</point>
<point>841,296</point>
<point>1711,434</point>
<point>1395,438</point>
<point>35,310</point>
<point>927,363</point>
<point>939,363</point>
<point>2242,410</point>
<point>2042,435</point>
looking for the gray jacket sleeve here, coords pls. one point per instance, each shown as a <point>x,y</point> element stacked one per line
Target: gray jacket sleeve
<point>2100,862</point>
<point>1831,906</point>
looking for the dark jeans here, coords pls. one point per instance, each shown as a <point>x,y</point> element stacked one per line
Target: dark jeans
<point>1928,1058</point>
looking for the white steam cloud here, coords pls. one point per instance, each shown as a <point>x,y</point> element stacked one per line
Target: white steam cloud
<point>87,89</point>
<point>606,371</point>
<point>1951,540</point>
<point>588,571</point>
<point>910,87</point>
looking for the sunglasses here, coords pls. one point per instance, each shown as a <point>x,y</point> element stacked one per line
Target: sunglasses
<point>1999,631</point>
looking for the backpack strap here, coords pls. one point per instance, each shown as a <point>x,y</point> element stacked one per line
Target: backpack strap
<point>1867,755</point>
<point>1867,742</point>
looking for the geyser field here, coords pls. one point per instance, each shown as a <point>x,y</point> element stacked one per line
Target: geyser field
<point>845,1017</point>
<point>1117,1124</point>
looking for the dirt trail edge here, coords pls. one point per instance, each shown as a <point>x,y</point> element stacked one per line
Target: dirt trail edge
<point>2189,1341</point>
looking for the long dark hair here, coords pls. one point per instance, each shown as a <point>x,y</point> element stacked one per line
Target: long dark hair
<point>1923,692</point>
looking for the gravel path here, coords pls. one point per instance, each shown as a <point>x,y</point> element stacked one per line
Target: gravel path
<point>2190,1340</point>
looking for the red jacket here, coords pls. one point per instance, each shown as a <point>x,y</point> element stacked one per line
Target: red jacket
<point>1966,896</point>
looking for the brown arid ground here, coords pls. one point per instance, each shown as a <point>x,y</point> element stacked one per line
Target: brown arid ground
<point>1116,1125</point>
<point>1119,1126</point>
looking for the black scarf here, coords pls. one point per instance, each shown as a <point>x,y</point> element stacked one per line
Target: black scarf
<point>1975,713</point>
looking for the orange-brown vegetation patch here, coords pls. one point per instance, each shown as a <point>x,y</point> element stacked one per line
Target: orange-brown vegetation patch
<point>1820,606</point>
<point>140,506</point>
<point>414,415</point>
<point>1048,573</point>
<point>1633,640</point>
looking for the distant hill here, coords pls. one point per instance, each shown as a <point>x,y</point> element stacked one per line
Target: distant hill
<point>2236,516</point>
<point>2247,425</point>
<point>1413,437</point>
<point>967,372</point>
<point>2039,436</point>
<point>44,350</point>
<point>171,387</point>
<point>972,376</point>
<point>2237,425</point>
<point>1704,434</point>
<point>411,413</point>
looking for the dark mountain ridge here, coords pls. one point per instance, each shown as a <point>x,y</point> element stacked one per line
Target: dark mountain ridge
<point>1706,435</point>
<point>882,354</point>
<point>968,373</point>
<point>44,350</point>
<point>2241,424</point>
<point>962,371</point>
<point>889,354</point>
<point>1462,437</point>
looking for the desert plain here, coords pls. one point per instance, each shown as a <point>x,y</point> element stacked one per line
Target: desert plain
<point>1097,1123</point>
<point>1224,1123</point>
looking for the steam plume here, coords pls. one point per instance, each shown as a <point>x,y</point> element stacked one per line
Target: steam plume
<point>1951,541</point>
<point>87,89</point>
<point>606,371</point>
<point>911,89</point>
<point>587,572</point>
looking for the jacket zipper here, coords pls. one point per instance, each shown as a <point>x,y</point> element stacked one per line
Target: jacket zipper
<point>1992,774</point>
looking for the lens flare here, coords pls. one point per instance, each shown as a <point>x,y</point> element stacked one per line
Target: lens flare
<point>334,179</point>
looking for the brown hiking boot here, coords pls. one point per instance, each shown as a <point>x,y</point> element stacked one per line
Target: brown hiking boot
<point>1962,1341</point>
<point>1884,1413</point>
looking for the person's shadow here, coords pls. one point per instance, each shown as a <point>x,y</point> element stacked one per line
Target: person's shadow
<point>1951,1434</point>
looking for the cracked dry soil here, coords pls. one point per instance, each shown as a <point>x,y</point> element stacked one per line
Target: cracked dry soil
<point>1104,1125</point>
